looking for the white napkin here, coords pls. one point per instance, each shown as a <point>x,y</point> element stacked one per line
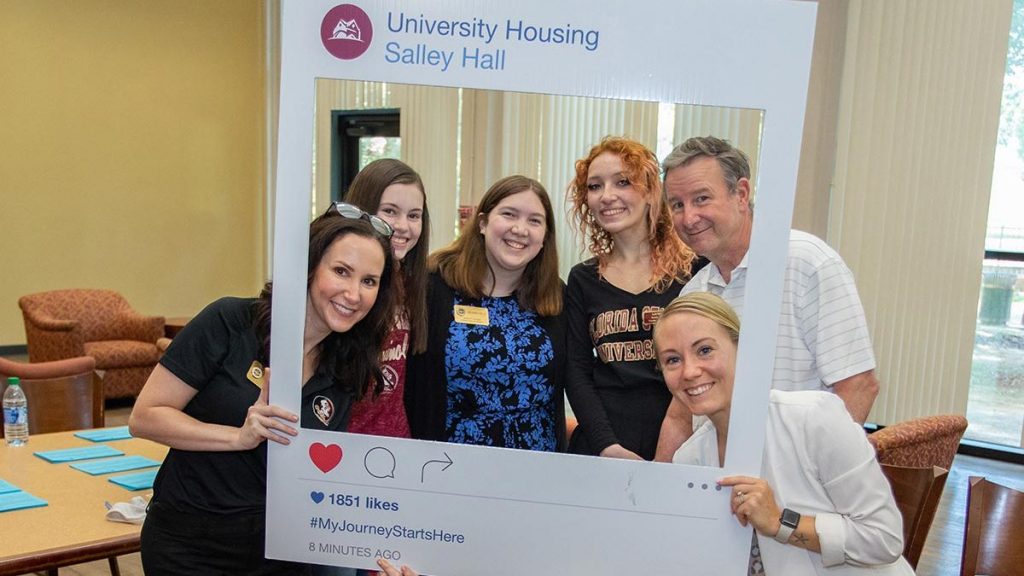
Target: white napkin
<point>132,511</point>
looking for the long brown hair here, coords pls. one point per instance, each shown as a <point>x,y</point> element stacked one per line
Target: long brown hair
<point>463,264</point>
<point>670,257</point>
<point>351,358</point>
<point>365,192</point>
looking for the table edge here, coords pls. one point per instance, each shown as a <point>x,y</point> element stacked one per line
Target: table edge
<point>68,555</point>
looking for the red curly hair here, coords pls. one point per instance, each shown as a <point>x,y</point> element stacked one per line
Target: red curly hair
<point>670,257</point>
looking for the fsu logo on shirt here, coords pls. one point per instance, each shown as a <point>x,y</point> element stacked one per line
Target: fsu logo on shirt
<point>390,378</point>
<point>323,409</point>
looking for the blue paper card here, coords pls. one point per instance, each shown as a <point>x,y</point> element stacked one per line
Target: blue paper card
<point>105,434</point>
<point>19,500</point>
<point>72,454</point>
<point>117,464</point>
<point>137,481</point>
<point>6,487</point>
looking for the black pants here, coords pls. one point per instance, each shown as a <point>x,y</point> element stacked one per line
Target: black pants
<point>175,543</point>
<point>635,415</point>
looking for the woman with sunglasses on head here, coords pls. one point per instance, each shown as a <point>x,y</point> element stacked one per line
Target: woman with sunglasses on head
<point>394,192</point>
<point>614,298</point>
<point>492,371</point>
<point>207,400</point>
<point>822,505</point>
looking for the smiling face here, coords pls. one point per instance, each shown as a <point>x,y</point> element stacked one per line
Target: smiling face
<point>714,221</point>
<point>615,203</point>
<point>401,205</point>
<point>344,286</point>
<point>698,360</point>
<point>514,232</point>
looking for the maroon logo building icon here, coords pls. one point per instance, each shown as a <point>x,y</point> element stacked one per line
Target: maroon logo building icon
<point>346,31</point>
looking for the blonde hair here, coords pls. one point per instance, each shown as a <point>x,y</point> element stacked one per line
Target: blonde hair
<point>709,306</point>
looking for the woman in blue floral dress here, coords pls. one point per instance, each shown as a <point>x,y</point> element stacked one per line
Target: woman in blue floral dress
<point>492,371</point>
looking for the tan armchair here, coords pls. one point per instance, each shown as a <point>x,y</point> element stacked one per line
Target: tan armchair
<point>99,323</point>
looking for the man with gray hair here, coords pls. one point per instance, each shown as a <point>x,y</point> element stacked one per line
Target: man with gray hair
<point>823,341</point>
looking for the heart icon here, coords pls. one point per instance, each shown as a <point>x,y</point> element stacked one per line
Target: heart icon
<point>317,497</point>
<point>325,457</point>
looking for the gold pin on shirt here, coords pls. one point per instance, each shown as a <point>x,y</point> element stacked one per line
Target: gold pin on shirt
<point>472,315</point>
<point>256,374</point>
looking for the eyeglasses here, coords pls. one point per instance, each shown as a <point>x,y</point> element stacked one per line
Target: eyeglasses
<point>347,210</point>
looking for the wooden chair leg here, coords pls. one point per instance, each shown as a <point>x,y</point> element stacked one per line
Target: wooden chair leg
<point>115,570</point>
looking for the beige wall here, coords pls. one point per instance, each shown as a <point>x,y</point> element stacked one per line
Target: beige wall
<point>817,153</point>
<point>132,148</point>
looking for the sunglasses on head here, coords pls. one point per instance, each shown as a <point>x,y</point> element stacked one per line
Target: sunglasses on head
<point>347,210</point>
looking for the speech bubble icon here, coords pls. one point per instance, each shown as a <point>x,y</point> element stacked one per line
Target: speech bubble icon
<point>379,462</point>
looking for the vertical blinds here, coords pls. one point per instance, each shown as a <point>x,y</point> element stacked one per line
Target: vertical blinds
<point>741,127</point>
<point>462,141</point>
<point>429,128</point>
<point>917,121</point>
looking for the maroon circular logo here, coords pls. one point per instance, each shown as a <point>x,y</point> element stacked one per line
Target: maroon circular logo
<point>346,31</point>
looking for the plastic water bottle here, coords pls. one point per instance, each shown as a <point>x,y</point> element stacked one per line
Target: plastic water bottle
<point>15,414</point>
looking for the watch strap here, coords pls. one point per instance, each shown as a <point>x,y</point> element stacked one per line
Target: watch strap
<point>784,533</point>
<point>788,522</point>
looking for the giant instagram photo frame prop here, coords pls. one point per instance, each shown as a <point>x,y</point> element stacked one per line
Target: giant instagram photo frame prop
<point>457,510</point>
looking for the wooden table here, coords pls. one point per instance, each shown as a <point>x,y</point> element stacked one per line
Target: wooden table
<point>72,528</point>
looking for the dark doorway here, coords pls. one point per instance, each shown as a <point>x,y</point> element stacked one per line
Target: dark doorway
<point>358,138</point>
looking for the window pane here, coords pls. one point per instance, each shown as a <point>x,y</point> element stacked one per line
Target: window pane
<point>995,404</point>
<point>995,400</point>
<point>375,147</point>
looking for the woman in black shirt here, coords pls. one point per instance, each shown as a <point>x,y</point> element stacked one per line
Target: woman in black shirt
<point>207,400</point>
<point>614,299</point>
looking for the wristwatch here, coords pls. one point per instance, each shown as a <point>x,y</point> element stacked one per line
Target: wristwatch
<point>787,523</point>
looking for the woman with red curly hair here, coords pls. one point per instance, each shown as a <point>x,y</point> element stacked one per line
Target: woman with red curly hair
<point>613,300</point>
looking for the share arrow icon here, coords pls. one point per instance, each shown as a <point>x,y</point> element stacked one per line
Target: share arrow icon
<point>447,464</point>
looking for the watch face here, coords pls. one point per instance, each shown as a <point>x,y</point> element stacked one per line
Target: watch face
<point>790,518</point>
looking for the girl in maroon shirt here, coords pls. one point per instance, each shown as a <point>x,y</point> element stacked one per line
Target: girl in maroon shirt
<point>393,191</point>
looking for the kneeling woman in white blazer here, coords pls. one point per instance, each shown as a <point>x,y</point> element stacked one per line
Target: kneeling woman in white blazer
<point>821,505</point>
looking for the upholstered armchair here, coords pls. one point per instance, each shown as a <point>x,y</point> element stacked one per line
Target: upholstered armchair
<point>98,323</point>
<point>921,442</point>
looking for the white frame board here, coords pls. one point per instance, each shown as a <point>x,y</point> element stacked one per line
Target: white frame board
<point>469,510</point>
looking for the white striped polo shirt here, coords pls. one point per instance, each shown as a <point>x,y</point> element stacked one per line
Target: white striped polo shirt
<point>823,335</point>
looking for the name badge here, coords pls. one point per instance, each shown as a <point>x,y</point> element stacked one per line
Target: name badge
<point>471,315</point>
<point>256,374</point>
